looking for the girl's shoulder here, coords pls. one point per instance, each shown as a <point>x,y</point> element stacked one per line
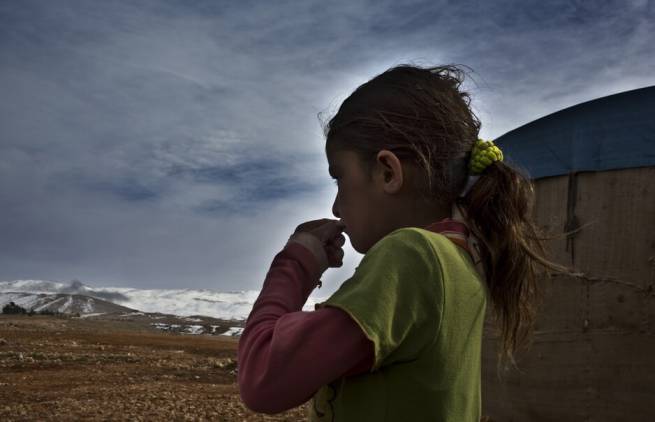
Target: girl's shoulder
<point>414,244</point>
<point>435,247</point>
<point>421,238</point>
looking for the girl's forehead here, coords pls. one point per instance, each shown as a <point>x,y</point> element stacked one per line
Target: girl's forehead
<point>341,156</point>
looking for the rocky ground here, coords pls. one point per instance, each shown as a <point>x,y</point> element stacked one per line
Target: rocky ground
<point>63,368</point>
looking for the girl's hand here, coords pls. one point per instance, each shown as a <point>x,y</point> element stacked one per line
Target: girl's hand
<point>323,237</point>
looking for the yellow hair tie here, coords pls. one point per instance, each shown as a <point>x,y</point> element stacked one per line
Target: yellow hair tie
<point>484,153</point>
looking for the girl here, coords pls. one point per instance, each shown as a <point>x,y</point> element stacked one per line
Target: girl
<point>443,225</point>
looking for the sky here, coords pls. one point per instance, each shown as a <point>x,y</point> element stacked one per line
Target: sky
<point>176,144</point>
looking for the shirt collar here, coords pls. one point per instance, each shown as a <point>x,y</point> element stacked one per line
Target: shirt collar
<point>455,230</point>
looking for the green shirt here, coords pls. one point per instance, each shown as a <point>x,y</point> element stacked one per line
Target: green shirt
<point>418,297</point>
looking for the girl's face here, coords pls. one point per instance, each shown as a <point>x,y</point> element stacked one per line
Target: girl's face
<point>363,206</point>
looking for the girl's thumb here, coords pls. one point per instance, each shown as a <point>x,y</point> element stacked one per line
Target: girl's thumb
<point>336,228</point>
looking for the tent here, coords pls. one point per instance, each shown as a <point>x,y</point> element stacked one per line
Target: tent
<point>592,356</point>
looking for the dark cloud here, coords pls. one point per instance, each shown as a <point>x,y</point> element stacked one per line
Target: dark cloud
<point>167,143</point>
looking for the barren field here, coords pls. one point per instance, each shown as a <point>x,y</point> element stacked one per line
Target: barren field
<point>56,368</point>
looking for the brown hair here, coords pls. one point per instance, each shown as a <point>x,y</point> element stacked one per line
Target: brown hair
<point>422,114</point>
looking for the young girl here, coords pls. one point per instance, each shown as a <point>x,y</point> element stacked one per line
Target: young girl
<point>443,223</point>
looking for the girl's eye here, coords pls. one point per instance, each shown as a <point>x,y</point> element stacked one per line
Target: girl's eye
<point>336,182</point>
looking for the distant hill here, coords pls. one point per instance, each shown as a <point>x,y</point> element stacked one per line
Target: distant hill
<point>62,303</point>
<point>94,308</point>
<point>183,302</point>
<point>230,306</point>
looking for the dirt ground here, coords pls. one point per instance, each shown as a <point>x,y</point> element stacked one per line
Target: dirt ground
<point>68,369</point>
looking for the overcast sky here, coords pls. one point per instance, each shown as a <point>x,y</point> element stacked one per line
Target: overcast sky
<point>175,144</point>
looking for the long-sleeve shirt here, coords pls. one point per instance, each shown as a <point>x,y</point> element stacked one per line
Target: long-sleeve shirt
<point>285,354</point>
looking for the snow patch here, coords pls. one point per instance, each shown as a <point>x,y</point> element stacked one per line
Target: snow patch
<point>233,332</point>
<point>88,306</point>
<point>132,314</point>
<point>92,315</point>
<point>193,319</point>
<point>67,305</point>
<point>194,329</point>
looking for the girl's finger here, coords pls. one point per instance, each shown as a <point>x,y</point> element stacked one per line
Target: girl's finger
<point>337,241</point>
<point>335,255</point>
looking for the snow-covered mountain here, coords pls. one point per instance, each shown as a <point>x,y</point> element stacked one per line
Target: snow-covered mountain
<point>61,302</point>
<point>184,302</point>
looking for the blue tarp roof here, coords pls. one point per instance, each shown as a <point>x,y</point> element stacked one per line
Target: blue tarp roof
<point>613,132</point>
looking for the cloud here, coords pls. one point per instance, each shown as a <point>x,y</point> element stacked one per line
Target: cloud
<point>165,144</point>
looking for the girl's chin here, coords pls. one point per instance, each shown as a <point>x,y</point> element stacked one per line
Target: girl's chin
<point>357,247</point>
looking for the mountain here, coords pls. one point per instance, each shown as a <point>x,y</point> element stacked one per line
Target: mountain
<point>234,305</point>
<point>61,302</point>
<point>39,295</point>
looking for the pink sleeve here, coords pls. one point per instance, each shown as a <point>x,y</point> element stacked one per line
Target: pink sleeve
<point>285,354</point>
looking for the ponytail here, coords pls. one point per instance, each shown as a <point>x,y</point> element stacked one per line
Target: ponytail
<point>500,208</point>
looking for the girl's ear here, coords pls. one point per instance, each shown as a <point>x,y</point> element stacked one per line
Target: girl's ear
<point>391,169</point>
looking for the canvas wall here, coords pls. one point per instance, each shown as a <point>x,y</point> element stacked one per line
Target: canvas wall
<point>593,352</point>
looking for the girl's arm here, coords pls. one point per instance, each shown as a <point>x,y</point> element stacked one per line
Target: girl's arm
<point>285,354</point>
